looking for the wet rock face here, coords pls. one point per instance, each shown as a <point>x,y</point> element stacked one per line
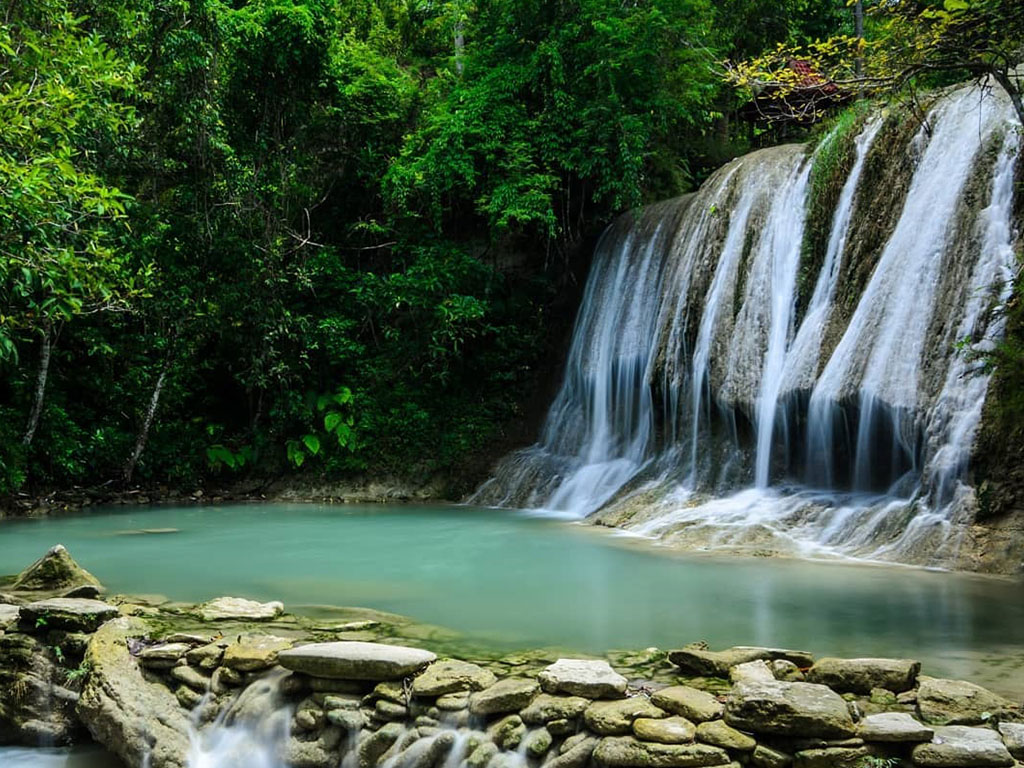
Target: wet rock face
<point>35,706</point>
<point>140,721</point>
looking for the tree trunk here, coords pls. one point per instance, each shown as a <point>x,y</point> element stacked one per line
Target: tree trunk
<point>40,395</point>
<point>147,422</point>
<point>858,32</point>
<point>460,47</point>
<point>1012,90</point>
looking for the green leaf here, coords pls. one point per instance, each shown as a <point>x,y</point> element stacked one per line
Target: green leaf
<point>332,420</point>
<point>312,443</point>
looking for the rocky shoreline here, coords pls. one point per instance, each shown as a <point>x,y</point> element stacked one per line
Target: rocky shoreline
<point>162,684</point>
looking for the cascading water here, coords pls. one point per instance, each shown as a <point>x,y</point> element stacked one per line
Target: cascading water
<point>847,432</point>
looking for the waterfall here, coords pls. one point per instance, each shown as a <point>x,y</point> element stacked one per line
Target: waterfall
<point>698,406</point>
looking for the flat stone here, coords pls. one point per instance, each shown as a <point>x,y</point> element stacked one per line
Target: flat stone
<point>751,672</point>
<point>688,702</point>
<point>718,734</point>
<point>700,661</point>
<point>450,676</point>
<point>165,654</point>
<point>830,757</point>
<point>1013,738</point>
<point>70,613</point>
<point>958,702</point>
<point>56,570</point>
<point>591,678</point>
<point>788,709</point>
<point>766,757</point>
<point>959,746</point>
<point>547,707</point>
<point>628,752</point>
<point>615,718</point>
<point>240,609</point>
<point>861,675</point>
<point>893,727</point>
<point>509,695</point>
<point>251,653</point>
<point>355,660</point>
<point>668,730</point>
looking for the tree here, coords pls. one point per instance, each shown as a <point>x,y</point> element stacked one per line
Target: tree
<point>63,100</point>
<point>911,41</point>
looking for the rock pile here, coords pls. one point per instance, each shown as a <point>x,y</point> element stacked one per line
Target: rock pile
<point>144,681</point>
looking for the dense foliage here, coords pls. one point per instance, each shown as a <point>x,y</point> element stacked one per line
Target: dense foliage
<point>336,235</point>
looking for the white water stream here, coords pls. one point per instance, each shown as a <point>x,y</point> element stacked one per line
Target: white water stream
<point>845,431</point>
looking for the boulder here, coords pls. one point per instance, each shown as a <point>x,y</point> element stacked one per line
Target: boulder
<point>355,660</point>
<point>68,613</point>
<point>251,653</point>
<point>958,746</point>
<point>135,719</point>
<point>507,732</point>
<point>591,678</point>
<point>861,675</point>
<point>239,609</point>
<point>35,708</point>
<point>56,571</point>
<point>668,730</point>
<point>688,702</point>
<point>717,733</point>
<point>957,702</point>
<point>628,752</point>
<point>615,718</point>
<point>509,695</point>
<point>893,727</point>
<point>451,676</point>
<point>697,660</point>
<point>545,708</point>
<point>788,709</point>
<point>786,670</point>
<point>1013,738</point>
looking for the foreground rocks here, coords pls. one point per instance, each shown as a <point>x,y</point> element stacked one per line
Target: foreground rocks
<point>147,679</point>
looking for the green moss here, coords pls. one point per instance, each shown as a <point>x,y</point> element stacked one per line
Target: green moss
<point>834,155</point>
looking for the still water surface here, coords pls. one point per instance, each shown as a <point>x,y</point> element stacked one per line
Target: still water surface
<point>516,581</point>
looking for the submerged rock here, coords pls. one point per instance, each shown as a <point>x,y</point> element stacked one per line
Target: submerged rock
<point>137,720</point>
<point>55,571</point>
<point>592,678</point>
<point>861,675</point>
<point>355,660</point>
<point>238,608</point>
